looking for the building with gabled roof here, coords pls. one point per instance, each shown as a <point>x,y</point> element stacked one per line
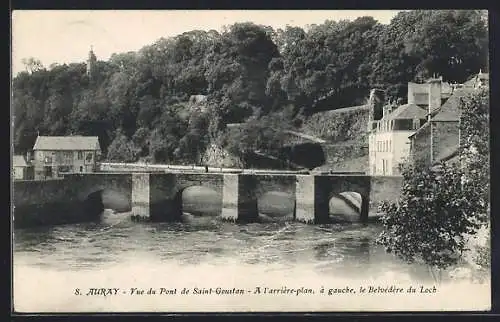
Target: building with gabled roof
<point>60,143</point>
<point>424,130</point>
<point>58,155</point>
<point>439,137</point>
<point>388,142</point>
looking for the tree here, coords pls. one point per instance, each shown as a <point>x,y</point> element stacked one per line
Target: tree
<point>247,72</point>
<point>32,64</point>
<point>442,207</point>
<point>266,134</point>
<point>122,149</point>
<point>429,222</point>
<point>420,43</point>
<point>475,147</point>
<point>451,43</point>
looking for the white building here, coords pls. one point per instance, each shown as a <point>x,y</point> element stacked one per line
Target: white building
<point>389,143</point>
<point>427,128</point>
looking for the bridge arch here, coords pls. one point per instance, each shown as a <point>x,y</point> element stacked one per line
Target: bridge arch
<point>96,192</point>
<point>199,200</point>
<point>341,198</point>
<point>100,198</point>
<point>346,206</point>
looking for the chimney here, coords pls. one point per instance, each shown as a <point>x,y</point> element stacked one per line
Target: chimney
<point>375,103</point>
<point>434,94</point>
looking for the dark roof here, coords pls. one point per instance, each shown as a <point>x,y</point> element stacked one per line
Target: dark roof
<point>19,161</point>
<point>407,111</point>
<point>450,110</point>
<point>446,116</point>
<point>88,143</point>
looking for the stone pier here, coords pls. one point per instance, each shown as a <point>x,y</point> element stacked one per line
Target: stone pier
<point>230,197</point>
<point>141,194</point>
<point>305,208</point>
<point>239,202</point>
<point>158,196</point>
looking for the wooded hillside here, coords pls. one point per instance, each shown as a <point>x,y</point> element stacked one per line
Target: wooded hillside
<point>137,102</point>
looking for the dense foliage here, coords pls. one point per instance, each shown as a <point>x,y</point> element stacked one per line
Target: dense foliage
<point>475,147</point>
<point>136,102</point>
<point>441,207</point>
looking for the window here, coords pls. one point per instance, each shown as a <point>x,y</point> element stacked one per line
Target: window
<point>48,160</point>
<point>68,157</point>
<point>89,157</point>
<point>48,172</point>
<point>80,155</point>
<point>390,145</point>
<point>81,168</point>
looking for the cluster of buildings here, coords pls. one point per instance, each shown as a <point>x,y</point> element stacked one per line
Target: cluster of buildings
<point>425,130</point>
<point>54,156</point>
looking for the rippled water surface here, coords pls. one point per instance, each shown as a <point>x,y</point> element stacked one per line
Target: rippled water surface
<point>209,253</point>
<point>344,249</point>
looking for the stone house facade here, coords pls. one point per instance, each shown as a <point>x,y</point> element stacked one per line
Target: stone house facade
<point>425,130</point>
<point>55,156</point>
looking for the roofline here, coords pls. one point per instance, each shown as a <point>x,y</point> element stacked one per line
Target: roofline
<point>420,129</point>
<point>38,149</point>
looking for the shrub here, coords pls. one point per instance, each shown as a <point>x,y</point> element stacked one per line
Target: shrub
<point>429,223</point>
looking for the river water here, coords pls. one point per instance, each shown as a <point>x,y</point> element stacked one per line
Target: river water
<point>118,253</point>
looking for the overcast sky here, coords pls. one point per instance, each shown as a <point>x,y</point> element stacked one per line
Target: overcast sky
<point>65,36</point>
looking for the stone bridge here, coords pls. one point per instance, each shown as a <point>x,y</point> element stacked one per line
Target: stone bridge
<point>234,197</point>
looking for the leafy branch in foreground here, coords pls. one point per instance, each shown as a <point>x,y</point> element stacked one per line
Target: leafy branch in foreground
<point>442,208</point>
<point>431,219</point>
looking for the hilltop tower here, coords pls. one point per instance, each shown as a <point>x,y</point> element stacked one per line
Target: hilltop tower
<point>91,62</point>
